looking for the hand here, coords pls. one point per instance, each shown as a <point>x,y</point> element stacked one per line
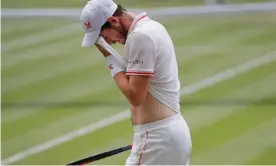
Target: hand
<point>102,50</point>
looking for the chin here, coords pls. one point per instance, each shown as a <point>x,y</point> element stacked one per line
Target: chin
<point>122,42</point>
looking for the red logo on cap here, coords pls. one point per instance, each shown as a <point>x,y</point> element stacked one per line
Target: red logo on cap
<point>88,24</point>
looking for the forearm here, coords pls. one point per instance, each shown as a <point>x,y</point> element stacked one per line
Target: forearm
<point>130,87</point>
<point>123,83</point>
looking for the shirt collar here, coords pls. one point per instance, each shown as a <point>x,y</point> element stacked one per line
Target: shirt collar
<point>136,20</point>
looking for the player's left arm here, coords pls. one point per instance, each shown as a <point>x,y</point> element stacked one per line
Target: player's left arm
<point>134,87</point>
<point>134,82</point>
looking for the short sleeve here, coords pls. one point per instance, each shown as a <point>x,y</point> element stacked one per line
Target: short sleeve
<point>142,54</point>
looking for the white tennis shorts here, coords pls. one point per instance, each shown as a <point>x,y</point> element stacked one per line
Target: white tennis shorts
<point>164,142</point>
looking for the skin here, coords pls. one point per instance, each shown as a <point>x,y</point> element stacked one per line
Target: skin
<point>133,87</point>
<point>144,108</point>
<point>119,28</point>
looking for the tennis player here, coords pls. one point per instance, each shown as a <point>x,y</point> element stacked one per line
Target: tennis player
<point>149,81</point>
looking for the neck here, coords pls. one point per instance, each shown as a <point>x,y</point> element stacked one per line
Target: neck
<point>127,20</point>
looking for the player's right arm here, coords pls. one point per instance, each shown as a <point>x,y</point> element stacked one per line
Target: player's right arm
<point>133,82</point>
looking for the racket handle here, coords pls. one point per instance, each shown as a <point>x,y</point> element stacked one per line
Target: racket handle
<point>101,156</point>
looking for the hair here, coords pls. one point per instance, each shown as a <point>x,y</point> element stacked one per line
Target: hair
<point>118,12</point>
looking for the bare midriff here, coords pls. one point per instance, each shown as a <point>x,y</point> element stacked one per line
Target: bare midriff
<point>150,111</point>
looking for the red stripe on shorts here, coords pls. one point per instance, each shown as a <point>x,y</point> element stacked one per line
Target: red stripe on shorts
<point>144,148</point>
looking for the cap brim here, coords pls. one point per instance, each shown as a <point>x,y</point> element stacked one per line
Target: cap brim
<point>90,38</point>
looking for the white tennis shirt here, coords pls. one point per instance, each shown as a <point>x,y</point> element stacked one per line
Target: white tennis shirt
<point>149,50</point>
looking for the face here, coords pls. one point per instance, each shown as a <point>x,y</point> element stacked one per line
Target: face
<point>116,33</point>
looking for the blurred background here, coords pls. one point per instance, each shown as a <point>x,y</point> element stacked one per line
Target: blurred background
<point>60,104</point>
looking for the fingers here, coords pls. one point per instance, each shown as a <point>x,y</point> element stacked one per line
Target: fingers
<point>107,40</point>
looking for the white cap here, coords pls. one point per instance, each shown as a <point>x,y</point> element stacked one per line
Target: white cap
<point>93,16</point>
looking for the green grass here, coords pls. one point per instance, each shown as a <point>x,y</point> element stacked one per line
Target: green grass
<point>81,3</point>
<point>125,3</point>
<point>236,115</point>
<point>264,158</point>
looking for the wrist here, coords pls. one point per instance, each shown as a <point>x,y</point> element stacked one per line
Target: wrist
<point>114,65</point>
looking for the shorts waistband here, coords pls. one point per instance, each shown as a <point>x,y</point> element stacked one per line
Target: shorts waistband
<point>160,123</point>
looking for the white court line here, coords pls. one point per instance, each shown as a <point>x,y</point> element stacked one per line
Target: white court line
<point>210,115</point>
<point>193,88</point>
<point>167,11</point>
